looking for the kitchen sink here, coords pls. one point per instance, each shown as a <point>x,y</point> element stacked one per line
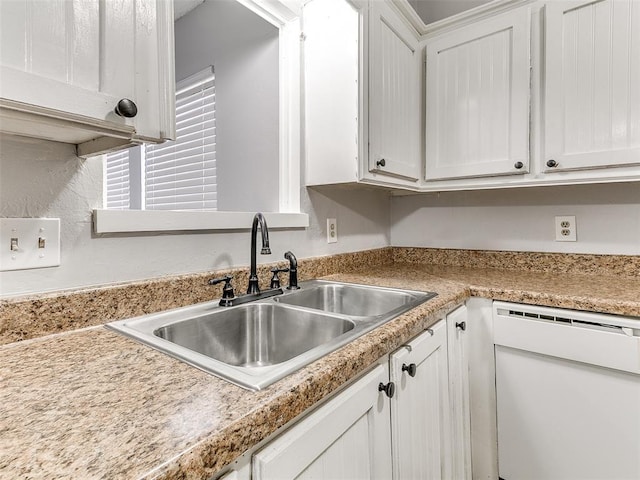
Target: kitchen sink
<point>349,299</point>
<point>255,335</point>
<point>258,343</point>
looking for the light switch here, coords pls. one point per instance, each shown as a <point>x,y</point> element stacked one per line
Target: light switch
<point>29,243</point>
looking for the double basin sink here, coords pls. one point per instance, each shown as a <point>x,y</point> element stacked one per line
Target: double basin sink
<point>255,344</point>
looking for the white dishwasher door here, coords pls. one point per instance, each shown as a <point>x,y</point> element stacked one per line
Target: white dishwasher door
<point>568,394</point>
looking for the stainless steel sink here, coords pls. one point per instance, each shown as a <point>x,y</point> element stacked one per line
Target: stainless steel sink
<point>255,335</point>
<point>349,299</point>
<point>256,344</point>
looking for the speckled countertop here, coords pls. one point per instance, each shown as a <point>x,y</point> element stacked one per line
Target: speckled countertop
<point>594,293</point>
<point>93,404</point>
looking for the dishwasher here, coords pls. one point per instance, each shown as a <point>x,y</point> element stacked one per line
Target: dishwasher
<point>568,394</point>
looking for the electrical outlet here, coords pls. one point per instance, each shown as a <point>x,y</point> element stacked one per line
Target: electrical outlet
<point>566,229</point>
<point>29,243</point>
<point>332,230</point>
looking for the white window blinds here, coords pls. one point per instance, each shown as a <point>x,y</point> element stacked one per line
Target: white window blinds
<point>178,175</point>
<point>181,175</point>
<point>117,181</point>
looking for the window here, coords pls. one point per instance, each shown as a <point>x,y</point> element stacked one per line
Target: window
<point>117,181</point>
<point>286,211</point>
<point>175,175</point>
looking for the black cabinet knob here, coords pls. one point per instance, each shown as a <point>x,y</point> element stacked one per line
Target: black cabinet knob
<point>552,163</point>
<point>126,108</point>
<point>381,163</point>
<point>461,325</point>
<point>411,369</point>
<point>389,389</point>
<point>518,165</point>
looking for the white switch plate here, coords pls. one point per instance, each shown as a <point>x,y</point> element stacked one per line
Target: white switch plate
<point>566,229</point>
<point>29,243</point>
<point>332,230</point>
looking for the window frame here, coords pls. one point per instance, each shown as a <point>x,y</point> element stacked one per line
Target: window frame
<point>285,15</point>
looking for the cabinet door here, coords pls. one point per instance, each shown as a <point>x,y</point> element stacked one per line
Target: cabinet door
<point>65,65</point>
<point>394,95</point>
<point>348,437</point>
<point>477,99</point>
<point>68,56</point>
<point>457,352</point>
<point>420,409</point>
<point>232,475</point>
<point>592,84</point>
<point>332,91</point>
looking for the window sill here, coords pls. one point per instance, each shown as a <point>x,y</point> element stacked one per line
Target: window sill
<point>135,221</point>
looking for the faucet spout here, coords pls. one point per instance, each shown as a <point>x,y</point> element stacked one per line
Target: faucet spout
<point>258,220</point>
<point>293,271</point>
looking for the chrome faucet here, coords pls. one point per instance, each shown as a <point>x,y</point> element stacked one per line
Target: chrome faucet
<point>258,219</point>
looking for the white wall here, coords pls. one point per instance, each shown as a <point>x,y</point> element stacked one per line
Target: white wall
<point>607,217</point>
<point>243,49</point>
<point>46,179</point>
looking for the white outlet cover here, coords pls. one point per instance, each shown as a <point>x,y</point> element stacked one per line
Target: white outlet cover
<point>566,228</point>
<point>30,234</point>
<point>332,230</point>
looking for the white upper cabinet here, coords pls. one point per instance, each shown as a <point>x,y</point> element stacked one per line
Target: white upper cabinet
<point>333,112</point>
<point>394,95</point>
<point>513,93</point>
<point>591,84</point>
<point>66,64</point>
<point>477,98</point>
<point>363,102</point>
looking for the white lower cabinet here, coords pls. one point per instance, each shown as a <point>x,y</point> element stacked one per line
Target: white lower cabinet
<point>459,389</point>
<point>405,420</point>
<point>232,475</point>
<point>419,412</point>
<point>348,437</point>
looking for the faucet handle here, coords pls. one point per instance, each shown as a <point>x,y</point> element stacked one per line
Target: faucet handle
<point>293,271</point>
<point>275,280</point>
<point>227,290</point>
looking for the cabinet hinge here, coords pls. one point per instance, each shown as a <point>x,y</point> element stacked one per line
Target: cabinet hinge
<point>303,37</point>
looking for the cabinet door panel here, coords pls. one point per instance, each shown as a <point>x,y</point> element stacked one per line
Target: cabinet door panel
<point>420,410</point>
<point>65,64</point>
<point>349,437</point>
<point>55,39</point>
<point>457,351</point>
<point>477,99</point>
<point>592,84</point>
<point>331,82</point>
<point>59,63</point>
<point>394,95</point>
